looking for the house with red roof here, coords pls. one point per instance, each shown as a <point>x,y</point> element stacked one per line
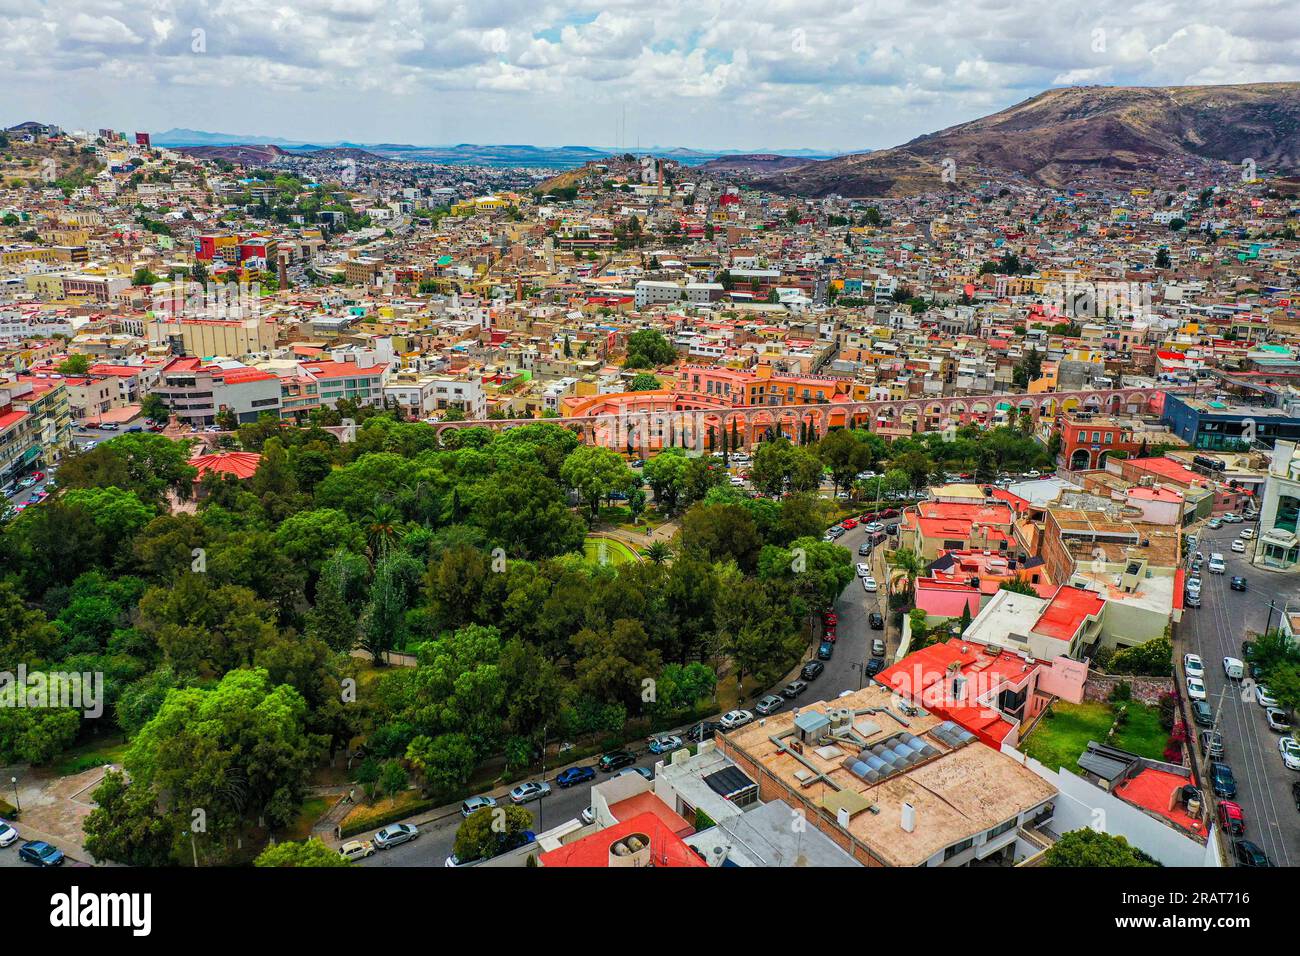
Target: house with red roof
<point>642,840</point>
<point>988,689</point>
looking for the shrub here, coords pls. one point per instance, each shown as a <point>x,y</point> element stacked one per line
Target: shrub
<point>1168,708</point>
<point>1122,691</point>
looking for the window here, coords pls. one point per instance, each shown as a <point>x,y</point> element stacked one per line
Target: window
<point>957,848</point>
<point>1002,828</point>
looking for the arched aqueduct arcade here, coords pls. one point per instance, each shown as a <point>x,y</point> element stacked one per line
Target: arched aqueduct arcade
<point>641,422</point>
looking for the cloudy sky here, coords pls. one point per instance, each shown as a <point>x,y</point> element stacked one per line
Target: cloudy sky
<point>780,74</point>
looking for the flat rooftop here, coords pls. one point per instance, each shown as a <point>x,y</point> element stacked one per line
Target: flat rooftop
<point>957,793</point>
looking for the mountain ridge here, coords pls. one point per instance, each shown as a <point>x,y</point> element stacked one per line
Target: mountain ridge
<point>1055,136</point>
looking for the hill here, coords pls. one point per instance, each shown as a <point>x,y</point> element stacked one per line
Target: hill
<point>1060,135</point>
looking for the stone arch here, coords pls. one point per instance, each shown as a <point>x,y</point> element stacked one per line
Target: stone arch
<point>1080,459</point>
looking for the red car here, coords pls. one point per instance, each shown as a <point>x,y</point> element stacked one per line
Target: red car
<point>38,475</point>
<point>869,516</point>
<point>849,523</point>
<point>829,635</point>
<point>830,619</point>
<point>1232,818</point>
<point>889,513</point>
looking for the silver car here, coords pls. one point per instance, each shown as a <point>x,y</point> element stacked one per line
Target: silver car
<point>395,834</point>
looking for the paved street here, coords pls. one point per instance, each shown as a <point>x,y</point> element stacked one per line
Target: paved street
<point>1215,631</point>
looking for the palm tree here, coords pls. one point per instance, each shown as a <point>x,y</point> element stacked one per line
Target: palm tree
<point>909,563</point>
<point>658,552</point>
<point>383,528</point>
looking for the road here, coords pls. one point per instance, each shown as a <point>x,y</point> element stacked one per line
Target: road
<point>1215,631</point>
<point>436,839</point>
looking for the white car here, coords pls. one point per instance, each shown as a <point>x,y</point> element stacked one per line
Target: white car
<point>1193,665</point>
<point>735,718</point>
<point>1289,748</point>
<point>869,584</point>
<point>395,834</point>
<point>1246,533</point>
<point>588,814</point>
<point>864,570</point>
<point>8,833</point>
<point>1264,697</point>
<point>1195,689</point>
<point>1230,517</point>
<point>1032,474</point>
<point>530,791</point>
<point>873,527</point>
<point>1238,546</point>
<point>357,850</point>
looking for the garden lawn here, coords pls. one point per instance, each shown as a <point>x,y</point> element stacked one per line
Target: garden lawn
<point>1058,740</point>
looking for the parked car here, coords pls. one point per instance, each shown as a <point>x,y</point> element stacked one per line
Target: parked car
<point>474,804</point>
<point>812,670</point>
<point>1224,783</point>
<point>849,523</point>
<point>825,650</point>
<point>1231,518</point>
<point>769,704</point>
<point>574,776</point>
<point>8,833</point>
<point>1232,818</point>
<point>1289,748</point>
<point>1278,721</point>
<point>1238,546</point>
<point>40,853</point>
<point>1238,583</point>
<point>615,759</point>
<point>1202,713</point>
<point>1195,689</point>
<point>1193,665</point>
<point>864,549</point>
<point>875,666</point>
<point>532,790</point>
<point>703,730</point>
<point>1247,533</point>
<point>876,620</point>
<point>357,850</point>
<point>869,584</point>
<point>1214,523</point>
<point>1233,669</point>
<point>793,689</point>
<point>645,772</point>
<point>1212,744</point>
<point>1248,854</point>
<point>665,743</point>
<point>395,834</point>
<point>864,570</point>
<point>735,718</point>
<point>1264,697</point>
<point>829,635</point>
<point>877,647</point>
<point>588,814</point>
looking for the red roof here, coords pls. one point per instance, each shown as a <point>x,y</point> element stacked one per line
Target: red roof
<point>1067,611</point>
<point>667,848</point>
<point>1155,790</point>
<point>241,464</point>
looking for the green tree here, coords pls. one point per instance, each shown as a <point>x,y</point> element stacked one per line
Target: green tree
<point>309,852</point>
<point>1092,848</point>
<point>490,832</point>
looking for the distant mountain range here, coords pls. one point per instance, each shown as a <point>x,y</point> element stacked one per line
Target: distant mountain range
<point>462,154</point>
<point>1059,135</point>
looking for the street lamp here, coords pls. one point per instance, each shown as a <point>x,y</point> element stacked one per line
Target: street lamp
<point>17,804</point>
